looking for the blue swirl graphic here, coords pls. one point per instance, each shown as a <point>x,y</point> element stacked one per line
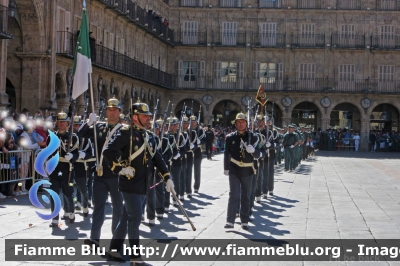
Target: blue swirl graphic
<point>35,201</point>
<point>45,166</point>
<point>41,159</point>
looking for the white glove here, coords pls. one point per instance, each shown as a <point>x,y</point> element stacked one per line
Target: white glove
<point>307,144</point>
<point>177,156</point>
<point>127,171</point>
<point>268,144</point>
<point>198,142</point>
<point>250,149</point>
<point>226,172</point>
<point>291,146</point>
<point>92,119</point>
<point>274,144</point>
<point>169,186</point>
<point>68,156</point>
<point>81,155</point>
<point>283,149</point>
<point>191,146</point>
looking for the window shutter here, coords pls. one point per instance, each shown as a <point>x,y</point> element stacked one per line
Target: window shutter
<point>279,76</point>
<point>111,41</point>
<point>217,74</point>
<point>240,74</point>
<point>105,39</point>
<point>98,35</point>
<point>122,46</point>
<point>239,3</point>
<point>68,21</point>
<point>180,76</point>
<point>58,18</point>
<point>256,75</point>
<point>202,74</point>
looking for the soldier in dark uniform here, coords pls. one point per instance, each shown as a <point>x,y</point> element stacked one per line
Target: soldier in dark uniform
<point>105,181</point>
<point>262,146</point>
<point>132,153</point>
<point>272,143</point>
<point>191,144</point>
<point>60,178</point>
<point>81,167</point>
<point>290,141</point>
<point>209,141</point>
<point>184,147</point>
<point>238,165</point>
<point>197,153</point>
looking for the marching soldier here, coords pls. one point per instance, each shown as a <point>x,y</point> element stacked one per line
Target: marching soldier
<point>290,141</point>
<point>105,181</point>
<point>261,161</point>
<point>60,178</point>
<point>272,143</point>
<point>192,142</point>
<point>81,167</point>
<point>132,153</point>
<point>238,165</point>
<point>178,154</point>
<point>197,153</point>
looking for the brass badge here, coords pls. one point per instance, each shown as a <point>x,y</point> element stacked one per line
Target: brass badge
<point>136,148</point>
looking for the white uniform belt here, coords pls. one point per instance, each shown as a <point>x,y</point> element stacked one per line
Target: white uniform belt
<point>86,161</point>
<point>242,164</point>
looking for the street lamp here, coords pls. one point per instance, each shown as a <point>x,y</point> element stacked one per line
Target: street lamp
<point>11,8</point>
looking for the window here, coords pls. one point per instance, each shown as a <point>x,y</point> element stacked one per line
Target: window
<point>228,71</point>
<point>268,34</point>
<point>307,35</point>
<point>386,37</point>
<point>347,35</point>
<point>267,72</point>
<point>190,32</point>
<point>386,73</point>
<point>191,2</point>
<point>270,3</point>
<point>230,3</point>
<point>346,72</point>
<point>229,33</point>
<point>307,71</point>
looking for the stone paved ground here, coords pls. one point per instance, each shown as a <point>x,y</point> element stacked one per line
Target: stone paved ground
<point>334,195</point>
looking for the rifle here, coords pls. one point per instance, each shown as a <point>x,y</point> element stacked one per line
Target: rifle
<point>69,142</point>
<point>163,123</point>
<point>101,114</point>
<point>255,117</point>
<point>154,117</point>
<point>190,124</point>
<point>170,118</point>
<point>180,125</point>
<point>86,109</point>
<point>248,121</point>
<point>266,128</point>
<point>198,123</point>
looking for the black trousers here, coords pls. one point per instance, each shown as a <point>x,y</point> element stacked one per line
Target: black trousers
<point>209,149</point>
<point>197,173</point>
<point>189,169</point>
<point>61,184</point>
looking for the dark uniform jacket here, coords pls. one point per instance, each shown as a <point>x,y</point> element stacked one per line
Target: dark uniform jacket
<point>63,168</point>
<point>191,140</point>
<point>235,151</point>
<point>200,135</point>
<point>81,166</point>
<point>117,156</point>
<point>102,130</point>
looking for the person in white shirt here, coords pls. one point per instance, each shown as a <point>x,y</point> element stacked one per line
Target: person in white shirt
<point>356,138</point>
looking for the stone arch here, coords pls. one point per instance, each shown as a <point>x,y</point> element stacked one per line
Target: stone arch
<point>298,100</point>
<point>385,117</point>
<point>32,23</point>
<point>306,113</point>
<point>62,96</point>
<point>375,103</point>
<point>356,103</point>
<point>224,112</point>
<point>236,101</point>
<point>188,102</point>
<point>346,114</point>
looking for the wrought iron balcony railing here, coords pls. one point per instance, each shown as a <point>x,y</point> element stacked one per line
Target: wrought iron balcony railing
<point>307,40</point>
<point>228,38</point>
<point>286,84</point>
<point>112,60</point>
<point>348,41</point>
<point>267,39</point>
<point>4,33</point>
<point>385,42</point>
<point>230,3</point>
<point>390,5</point>
<point>191,3</point>
<point>191,38</point>
<point>142,18</point>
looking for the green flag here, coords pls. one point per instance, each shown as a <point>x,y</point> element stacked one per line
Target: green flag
<point>82,62</point>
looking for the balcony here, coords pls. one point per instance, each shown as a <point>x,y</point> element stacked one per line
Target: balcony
<point>348,41</point>
<point>191,3</point>
<point>191,38</point>
<point>111,60</point>
<point>385,42</point>
<point>307,40</point>
<point>230,3</point>
<point>4,33</point>
<point>267,39</point>
<point>226,38</point>
<point>390,5</point>
<point>287,84</point>
<point>348,4</point>
<point>140,17</point>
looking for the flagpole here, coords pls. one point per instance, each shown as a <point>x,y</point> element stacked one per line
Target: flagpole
<point>95,124</point>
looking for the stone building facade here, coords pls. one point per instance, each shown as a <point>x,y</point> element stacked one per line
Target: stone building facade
<point>325,63</point>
